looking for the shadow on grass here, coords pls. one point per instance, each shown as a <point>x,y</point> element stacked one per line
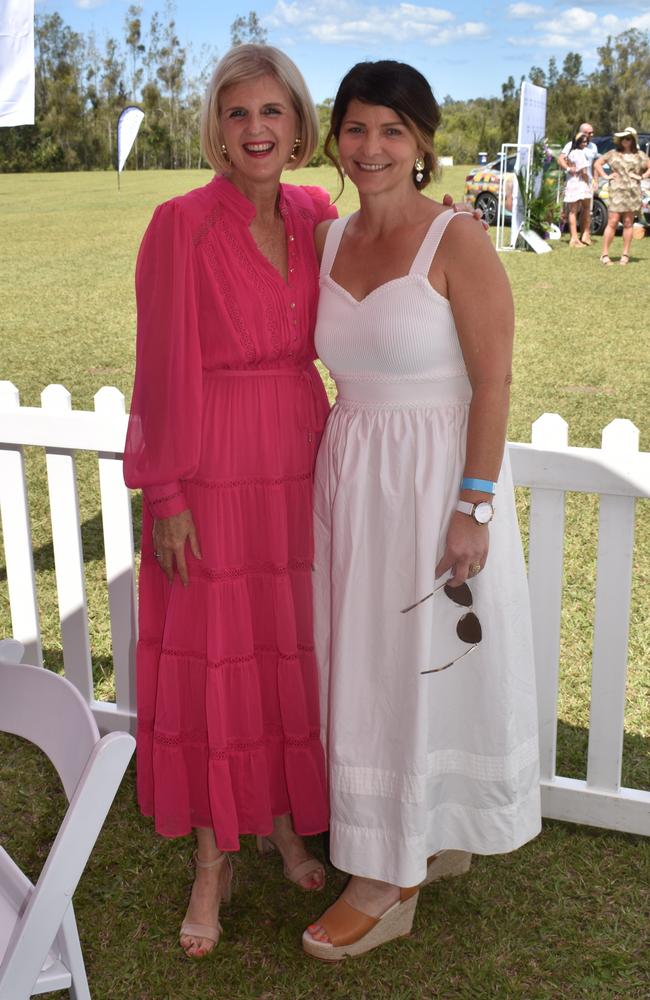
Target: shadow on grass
<point>573,746</point>
<point>562,917</point>
<point>92,540</point>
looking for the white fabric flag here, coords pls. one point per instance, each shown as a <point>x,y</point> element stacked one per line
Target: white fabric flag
<point>532,128</point>
<point>16,62</point>
<point>127,128</point>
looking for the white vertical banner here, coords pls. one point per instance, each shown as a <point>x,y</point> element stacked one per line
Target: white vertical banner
<point>532,128</point>
<point>16,62</point>
<point>128,125</point>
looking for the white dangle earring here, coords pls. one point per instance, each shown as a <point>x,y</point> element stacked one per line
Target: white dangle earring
<point>418,166</point>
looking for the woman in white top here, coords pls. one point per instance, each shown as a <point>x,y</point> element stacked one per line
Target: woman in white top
<point>578,190</point>
<point>427,683</point>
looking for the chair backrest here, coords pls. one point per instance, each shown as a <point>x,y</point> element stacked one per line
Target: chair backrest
<point>48,711</point>
<point>12,650</point>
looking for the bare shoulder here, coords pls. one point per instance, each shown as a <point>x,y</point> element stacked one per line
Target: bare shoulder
<point>320,234</point>
<point>471,266</point>
<point>465,238</point>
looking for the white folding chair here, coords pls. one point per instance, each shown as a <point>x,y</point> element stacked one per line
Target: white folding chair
<point>39,943</point>
<point>11,650</point>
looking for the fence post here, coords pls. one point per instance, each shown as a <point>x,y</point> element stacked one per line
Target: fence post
<point>545,563</point>
<point>612,619</point>
<point>68,551</point>
<point>17,537</point>
<point>120,562</point>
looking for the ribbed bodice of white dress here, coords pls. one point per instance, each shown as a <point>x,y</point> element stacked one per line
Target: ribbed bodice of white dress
<point>401,332</point>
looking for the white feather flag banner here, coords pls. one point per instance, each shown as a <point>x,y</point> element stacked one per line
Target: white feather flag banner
<point>16,62</point>
<point>127,129</point>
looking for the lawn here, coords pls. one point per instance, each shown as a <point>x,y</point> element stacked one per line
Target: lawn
<point>564,917</point>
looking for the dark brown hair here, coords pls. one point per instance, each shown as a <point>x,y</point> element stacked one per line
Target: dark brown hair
<point>392,85</point>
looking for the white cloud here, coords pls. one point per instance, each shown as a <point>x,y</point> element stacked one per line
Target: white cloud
<point>349,21</point>
<point>525,10</point>
<point>577,28</point>
<point>89,4</point>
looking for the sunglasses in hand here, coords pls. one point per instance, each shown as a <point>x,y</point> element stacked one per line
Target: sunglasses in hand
<point>468,627</point>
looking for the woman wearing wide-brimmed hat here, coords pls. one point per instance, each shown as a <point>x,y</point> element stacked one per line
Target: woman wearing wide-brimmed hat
<point>628,167</point>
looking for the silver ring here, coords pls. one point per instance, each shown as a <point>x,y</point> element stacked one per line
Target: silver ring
<point>158,555</point>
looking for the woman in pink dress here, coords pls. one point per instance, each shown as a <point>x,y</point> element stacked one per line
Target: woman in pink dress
<point>225,420</point>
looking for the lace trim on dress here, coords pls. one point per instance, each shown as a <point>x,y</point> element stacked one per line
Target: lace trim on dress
<point>206,226</point>
<point>440,376</point>
<point>273,569</point>
<point>273,328</point>
<point>231,660</point>
<point>170,496</point>
<point>176,739</point>
<point>212,484</point>
<point>250,746</point>
<point>200,736</point>
<point>230,302</point>
<point>258,647</point>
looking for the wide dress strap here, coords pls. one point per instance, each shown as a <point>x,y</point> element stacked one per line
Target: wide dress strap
<point>424,257</point>
<point>332,241</point>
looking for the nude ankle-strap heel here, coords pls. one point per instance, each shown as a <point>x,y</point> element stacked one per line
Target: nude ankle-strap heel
<point>310,866</point>
<point>210,932</point>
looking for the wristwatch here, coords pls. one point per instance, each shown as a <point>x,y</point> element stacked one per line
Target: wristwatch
<point>482,512</point>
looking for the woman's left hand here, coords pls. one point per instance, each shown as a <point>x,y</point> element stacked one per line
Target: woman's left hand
<point>449,202</point>
<point>466,549</point>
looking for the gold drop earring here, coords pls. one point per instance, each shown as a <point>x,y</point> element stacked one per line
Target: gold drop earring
<point>224,152</point>
<point>296,149</point>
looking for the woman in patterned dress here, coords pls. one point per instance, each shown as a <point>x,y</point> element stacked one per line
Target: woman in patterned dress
<point>225,420</point>
<point>628,167</point>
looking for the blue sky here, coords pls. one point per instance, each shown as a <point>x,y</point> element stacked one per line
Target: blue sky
<point>466,49</point>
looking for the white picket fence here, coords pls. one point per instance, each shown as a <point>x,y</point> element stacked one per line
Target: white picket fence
<point>617,472</point>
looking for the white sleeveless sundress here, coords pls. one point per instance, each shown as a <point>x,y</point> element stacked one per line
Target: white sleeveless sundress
<point>418,763</point>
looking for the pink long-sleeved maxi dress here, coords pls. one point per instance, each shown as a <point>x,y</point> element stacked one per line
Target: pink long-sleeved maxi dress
<point>225,418</point>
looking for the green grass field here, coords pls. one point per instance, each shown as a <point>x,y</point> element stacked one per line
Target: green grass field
<point>564,917</point>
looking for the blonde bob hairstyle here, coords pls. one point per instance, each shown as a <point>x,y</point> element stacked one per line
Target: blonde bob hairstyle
<point>247,62</point>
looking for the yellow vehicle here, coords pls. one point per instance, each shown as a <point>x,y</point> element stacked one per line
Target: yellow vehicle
<point>482,186</point>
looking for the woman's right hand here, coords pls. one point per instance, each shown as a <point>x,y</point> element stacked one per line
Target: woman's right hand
<point>169,537</point>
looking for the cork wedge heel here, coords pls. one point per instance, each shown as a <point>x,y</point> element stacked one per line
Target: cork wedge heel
<point>352,932</point>
<point>447,864</point>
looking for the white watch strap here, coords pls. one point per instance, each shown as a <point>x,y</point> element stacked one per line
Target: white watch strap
<point>465,507</point>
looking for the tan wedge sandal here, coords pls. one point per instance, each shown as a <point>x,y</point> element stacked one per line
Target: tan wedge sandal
<point>352,932</point>
<point>447,864</point>
<point>208,931</point>
<point>310,866</point>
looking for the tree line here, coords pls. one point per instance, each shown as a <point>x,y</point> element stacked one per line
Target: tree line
<point>615,94</point>
<point>82,87</point>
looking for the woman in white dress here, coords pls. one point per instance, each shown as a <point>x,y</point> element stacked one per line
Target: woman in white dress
<point>432,754</point>
<point>577,193</point>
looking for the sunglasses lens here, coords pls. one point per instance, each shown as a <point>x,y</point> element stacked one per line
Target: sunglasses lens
<point>469,629</point>
<point>459,595</point>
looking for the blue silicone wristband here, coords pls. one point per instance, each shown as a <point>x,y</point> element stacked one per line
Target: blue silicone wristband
<point>481,485</point>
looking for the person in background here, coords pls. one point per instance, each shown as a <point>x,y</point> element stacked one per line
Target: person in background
<point>628,167</point>
<point>577,193</point>
<point>591,153</point>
